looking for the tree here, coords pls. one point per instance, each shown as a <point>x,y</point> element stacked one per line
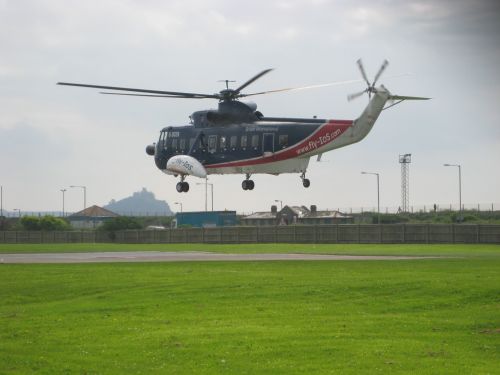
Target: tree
<point>48,223</point>
<point>30,223</point>
<point>121,223</point>
<point>53,223</point>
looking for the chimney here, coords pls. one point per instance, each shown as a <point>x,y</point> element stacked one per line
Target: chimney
<point>313,209</point>
<point>274,209</point>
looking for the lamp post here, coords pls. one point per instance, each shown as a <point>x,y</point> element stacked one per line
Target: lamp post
<point>84,194</point>
<point>179,204</point>
<point>378,193</point>
<point>18,211</point>
<point>63,191</point>
<point>459,183</point>
<point>1,201</point>
<point>206,183</point>
<point>281,203</point>
<point>212,193</point>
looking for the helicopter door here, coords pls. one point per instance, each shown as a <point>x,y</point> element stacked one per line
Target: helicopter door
<point>268,143</point>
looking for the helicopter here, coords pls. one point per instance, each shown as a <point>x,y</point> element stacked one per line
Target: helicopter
<point>236,138</point>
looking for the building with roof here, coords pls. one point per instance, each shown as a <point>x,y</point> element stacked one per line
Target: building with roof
<point>91,217</point>
<point>296,215</point>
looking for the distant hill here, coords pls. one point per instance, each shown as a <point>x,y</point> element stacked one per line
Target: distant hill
<point>141,203</point>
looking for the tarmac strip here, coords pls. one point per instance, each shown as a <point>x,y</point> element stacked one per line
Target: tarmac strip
<point>198,256</point>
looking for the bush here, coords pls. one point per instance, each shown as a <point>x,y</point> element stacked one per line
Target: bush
<point>30,222</point>
<point>121,223</point>
<point>48,223</point>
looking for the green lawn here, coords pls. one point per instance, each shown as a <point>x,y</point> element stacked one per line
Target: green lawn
<point>431,316</point>
<point>468,250</point>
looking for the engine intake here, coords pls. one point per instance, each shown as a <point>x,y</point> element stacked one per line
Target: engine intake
<point>150,149</point>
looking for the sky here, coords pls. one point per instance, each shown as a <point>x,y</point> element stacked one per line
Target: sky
<point>53,136</point>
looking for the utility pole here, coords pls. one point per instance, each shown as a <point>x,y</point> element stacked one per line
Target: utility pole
<point>378,194</point>
<point>84,194</point>
<point>63,191</point>
<point>405,161</point>
<point>459,183</point>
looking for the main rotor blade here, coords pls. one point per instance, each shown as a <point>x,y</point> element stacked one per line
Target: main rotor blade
<point>362,70</point>
<point>356,95</point>
<point>153,95</point>
<point>304,87</point>
<point>252,80</point>
<point>380,71</point>
<point>175,93</point>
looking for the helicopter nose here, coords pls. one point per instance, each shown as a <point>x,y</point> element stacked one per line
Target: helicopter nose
<point>150,149</point>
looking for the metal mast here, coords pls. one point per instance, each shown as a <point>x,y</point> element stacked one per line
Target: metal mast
<point>405,160</point>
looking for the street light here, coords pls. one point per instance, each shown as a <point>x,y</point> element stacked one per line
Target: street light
<point>281,203</point>
<point>1,201</point>
<point>459,182</point>
<point>18,210</point>
<point>179,204</point>
<point>84,194</point>
<point>63,191</point>
<point>378,193</point>
<point>206,183</point>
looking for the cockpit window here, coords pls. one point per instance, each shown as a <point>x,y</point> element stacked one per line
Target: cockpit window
<point>162,141</point>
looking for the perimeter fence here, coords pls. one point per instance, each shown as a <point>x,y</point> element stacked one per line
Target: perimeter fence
<point>341,233</point>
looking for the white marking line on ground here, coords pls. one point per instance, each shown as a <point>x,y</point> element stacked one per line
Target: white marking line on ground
<point>160,256</point>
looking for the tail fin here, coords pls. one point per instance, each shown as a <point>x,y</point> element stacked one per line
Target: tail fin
<point>401,98</point>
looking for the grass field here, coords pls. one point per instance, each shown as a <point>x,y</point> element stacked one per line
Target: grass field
<point>432,316</point>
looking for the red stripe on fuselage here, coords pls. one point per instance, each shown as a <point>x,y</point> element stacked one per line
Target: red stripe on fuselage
<point>322,136</point>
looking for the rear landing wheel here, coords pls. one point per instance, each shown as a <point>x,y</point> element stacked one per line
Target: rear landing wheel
<point>306,182</point>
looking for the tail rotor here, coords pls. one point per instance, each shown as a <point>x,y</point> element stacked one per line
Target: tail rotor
<point>370,86</point>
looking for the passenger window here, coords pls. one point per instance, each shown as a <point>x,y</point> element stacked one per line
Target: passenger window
<point>191,142</point>
<point>244,142</point>
<point>174,143</point>
<point>283,140</point>
<point>212,143</point>
<point>182,144</point>
<point>223,143</point>
<point>232,142</point>
<point>255,141</point>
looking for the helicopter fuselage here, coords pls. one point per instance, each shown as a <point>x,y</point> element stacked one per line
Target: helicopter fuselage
<point>267,145</point>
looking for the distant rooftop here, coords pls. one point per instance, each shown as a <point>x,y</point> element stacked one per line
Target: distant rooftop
<point>94,211</point>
